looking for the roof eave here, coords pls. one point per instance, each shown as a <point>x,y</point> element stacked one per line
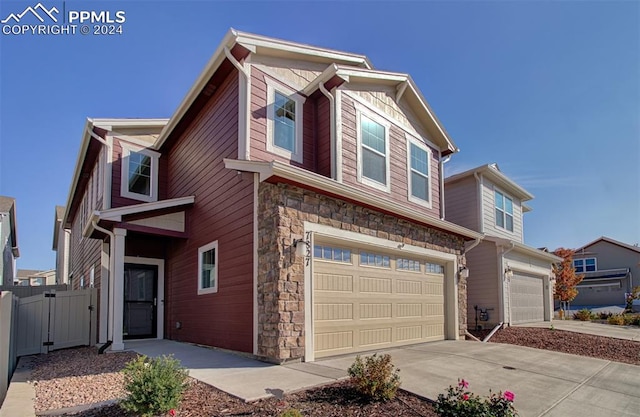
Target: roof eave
<point>84,145</point>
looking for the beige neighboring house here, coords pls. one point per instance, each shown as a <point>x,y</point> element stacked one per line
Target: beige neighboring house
<point>509,281</point>
<point>8,240</point>
<point>32,277</point>
<point>61,239</point>
<point>611,269</point>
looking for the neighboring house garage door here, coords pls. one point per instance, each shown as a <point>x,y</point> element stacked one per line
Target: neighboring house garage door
<point>527,298</point>
<point>367,299</point>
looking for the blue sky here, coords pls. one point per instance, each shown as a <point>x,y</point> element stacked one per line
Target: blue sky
<point>548,90</point>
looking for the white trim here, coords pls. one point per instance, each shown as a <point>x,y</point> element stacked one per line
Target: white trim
<point>201,250</point>
<point>116,214</point>
<point>104,291</point>
<point>361,112</point>
<point>449,260</point>
<point>410,139</point>
<point>124,173</point>
<point>159,294</point>
<point>359,101</point>
<point>256,245</point>
<point>272,88</point>
<point>310,179</point>
<point>132,140</point>
<point>513,215</point>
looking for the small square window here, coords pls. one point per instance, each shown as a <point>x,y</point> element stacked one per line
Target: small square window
<point>208,268</point>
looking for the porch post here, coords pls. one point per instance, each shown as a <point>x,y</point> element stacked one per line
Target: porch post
<point>104,292</point>
<point>118,288</point>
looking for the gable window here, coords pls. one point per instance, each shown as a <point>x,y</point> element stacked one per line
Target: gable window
<point>208,268</point>
<point>585,265</point>
<point>373,151</point>
<point>418,167</point>
<point>139,174</point>
<point>284,121</point>
<point>504,211</point>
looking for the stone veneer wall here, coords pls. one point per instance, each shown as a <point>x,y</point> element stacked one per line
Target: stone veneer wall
<point>282,211</point>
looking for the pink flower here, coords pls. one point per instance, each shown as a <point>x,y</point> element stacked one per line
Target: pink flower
<point>465,397</point>
<point>509,396</point>
<point>172,412</point>
<point>463,384</point>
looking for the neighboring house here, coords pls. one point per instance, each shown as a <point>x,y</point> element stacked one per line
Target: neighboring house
<point>8,240</point>
<point>32,277</point>
<point>290,208</point>
<point>61,240</point>
<point>508,282</point>
<point>610,268</point>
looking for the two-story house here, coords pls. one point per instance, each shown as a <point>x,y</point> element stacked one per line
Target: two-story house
<point>290,208</point>
<point>610,269</point>
<point>8,240</point>
<point>509,282</point>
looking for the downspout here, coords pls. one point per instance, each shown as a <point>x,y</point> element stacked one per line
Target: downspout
<point>98,138</point>
<point>441,168</point>
<point>111,269</point>
<point>332,130</point>
<point>480,201</point>
<point>506,320</point>
<point>243,118</point>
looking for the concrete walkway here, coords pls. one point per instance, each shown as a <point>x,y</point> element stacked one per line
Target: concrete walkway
<point>545,383</point>
<point>598,329</point>
<point>20,396</point>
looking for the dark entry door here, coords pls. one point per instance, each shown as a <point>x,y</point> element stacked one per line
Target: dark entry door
<point>140,300</point>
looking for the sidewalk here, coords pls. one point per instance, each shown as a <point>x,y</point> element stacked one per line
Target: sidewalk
<point>587,327</point>
<point>20,396</point>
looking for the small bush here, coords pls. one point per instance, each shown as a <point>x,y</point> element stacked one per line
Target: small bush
<point>617,320</point>
<point>458,402</point>
<point>291,413</point>
<point>635,321</point>
<point>583,315</point>
<point>375,377</point>
<point>154,385</point>
<point>604,315</point>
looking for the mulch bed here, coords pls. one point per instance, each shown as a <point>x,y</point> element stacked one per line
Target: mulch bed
<point>618,350</point>
<point>336,400</point>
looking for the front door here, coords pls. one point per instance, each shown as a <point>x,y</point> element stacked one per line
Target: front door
<point>140,301</point>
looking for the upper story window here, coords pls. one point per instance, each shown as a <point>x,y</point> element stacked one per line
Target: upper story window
<point>585,265</point>
<point>504,211</point>
<point>284,121</point>
<point>419,167</point>
<point>208,268</point>
<point>373,151</point>
<point>139,174</point>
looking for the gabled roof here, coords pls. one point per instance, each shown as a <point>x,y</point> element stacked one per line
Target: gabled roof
<point>492,171</point>
<point>609,240</point>
<point>521,247</point>
<point>348,66</point>
<point>8,205</point>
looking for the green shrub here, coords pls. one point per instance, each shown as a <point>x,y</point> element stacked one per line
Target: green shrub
<point>583,315</point>
<point>291,413</point>
<point>154,385</point>
<point>616,319</point>
<point>636,320</point>
<point>604,315</point>
<point>375,377</point>
<point>458,402</point>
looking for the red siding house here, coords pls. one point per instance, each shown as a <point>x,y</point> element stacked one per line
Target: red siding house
<point>290,208</point>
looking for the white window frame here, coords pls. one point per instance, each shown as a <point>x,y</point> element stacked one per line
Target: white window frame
<point>272,87</point>
<point>504,212</point>
<point>360,112</point>
<point>584,264</point>
<point>201,250</point>
<point>124,173</point>
<point>410,196</point>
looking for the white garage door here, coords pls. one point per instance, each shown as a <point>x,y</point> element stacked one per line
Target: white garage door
<point>366,299</point>
<point>527,298</point>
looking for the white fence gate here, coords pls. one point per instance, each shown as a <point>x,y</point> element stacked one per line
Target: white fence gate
<point>56,320</point>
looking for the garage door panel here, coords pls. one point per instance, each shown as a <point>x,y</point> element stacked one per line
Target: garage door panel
<point>358,308</point>
<point>527,298</point>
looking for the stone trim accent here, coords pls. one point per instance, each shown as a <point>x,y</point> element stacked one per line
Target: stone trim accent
<point>283,209</point>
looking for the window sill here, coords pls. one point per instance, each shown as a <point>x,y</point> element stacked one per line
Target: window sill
<point>203,291</point>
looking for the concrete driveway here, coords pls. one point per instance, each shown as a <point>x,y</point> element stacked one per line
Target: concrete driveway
<point>545,383</point>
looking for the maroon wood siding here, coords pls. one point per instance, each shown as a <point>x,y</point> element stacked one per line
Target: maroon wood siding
<point>323,126</point>
<point>223,211</point>
<point>398,163</point>
<point>259,126</point>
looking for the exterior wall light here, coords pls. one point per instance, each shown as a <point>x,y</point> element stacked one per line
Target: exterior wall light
<point>508,273</point>
<point>463,272</point>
